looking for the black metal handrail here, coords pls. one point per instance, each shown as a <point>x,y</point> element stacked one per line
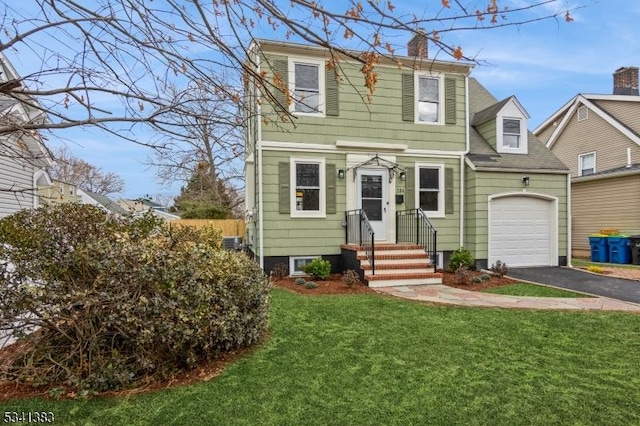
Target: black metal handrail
<point>359,231</point>
<point>413,226</point>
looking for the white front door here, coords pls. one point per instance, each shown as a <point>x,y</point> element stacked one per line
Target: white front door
<point>372,195</point>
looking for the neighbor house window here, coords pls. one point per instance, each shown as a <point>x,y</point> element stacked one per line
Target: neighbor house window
<point>428,99</point>
<point>307,86</point>
<point>308,187</point>
<point>296,264</point>
<point>430,193</point>
<point>511,133</point>
<point>586,164</point>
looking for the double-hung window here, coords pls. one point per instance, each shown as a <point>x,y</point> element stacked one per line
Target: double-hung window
<point>308,187</point>
<point>511,133</point>
<point>307,86</point>
<point>428,99</point>
<point>586,164</point>
<point>430,193</point>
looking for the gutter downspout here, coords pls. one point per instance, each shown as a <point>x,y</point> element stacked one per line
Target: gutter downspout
<point>260,179</point>
<point>463,156</point>
<point>569,225</point>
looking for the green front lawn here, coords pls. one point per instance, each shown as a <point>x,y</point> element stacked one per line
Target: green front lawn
<point>532,290</point>
<point>369,359</point>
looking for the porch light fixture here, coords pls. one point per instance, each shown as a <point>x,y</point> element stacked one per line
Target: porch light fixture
<point>525,180</point>
<point>341,174</point>
<point>403,176</point>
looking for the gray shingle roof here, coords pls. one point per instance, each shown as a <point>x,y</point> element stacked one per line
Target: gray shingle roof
<point>483,107</point>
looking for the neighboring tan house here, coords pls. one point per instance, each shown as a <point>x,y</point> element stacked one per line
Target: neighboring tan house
<point>58,192</point>
<point>598,138</point>
<point>143,205</point>
<point>353,181</point>
<point>23,156</point>
<point>101,201</point>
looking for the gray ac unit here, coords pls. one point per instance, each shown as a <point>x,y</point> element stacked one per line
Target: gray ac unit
<point>232,243</point>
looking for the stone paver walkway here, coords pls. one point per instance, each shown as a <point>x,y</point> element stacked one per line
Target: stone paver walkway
<point>455,296</point>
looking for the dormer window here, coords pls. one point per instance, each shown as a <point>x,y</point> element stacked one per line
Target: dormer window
<point>511,128</point>
<point>511,133</point>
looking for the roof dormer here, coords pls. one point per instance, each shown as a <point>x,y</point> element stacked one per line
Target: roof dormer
<point>505,126</point>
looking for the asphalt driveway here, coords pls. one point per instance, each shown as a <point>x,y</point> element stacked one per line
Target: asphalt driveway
<point>575,279</point>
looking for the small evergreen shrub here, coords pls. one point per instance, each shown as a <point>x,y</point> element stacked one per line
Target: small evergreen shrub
<point>318,268</point>
<point>300,281</point>
<point>476,280</point>
<point>279,271</point>
<point>500,268</point>
<point>350,277</point>
<point>310,285</point>
<point>461,258</point>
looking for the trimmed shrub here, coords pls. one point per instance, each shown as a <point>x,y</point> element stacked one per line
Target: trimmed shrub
<point>499,268</point>
<point>318,268</point>
<point>461,258</point>
<point>310,285</point>
<point>116,302</point>
<point>350,277</point>
<point>300,281</point>
<point>279,271</point>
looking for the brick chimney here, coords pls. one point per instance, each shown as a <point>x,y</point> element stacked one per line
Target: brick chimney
<point>625,81</point>
<point>417,46</point>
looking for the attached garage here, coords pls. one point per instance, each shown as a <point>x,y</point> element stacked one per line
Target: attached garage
<point>523,230</point>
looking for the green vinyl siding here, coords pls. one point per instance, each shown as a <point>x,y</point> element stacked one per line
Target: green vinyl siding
<point>378,121</point>
<point>480,185</point>
<point>488,132</point>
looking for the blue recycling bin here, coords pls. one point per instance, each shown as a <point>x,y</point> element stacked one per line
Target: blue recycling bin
<point>599,248</point>
<point>619,249</point>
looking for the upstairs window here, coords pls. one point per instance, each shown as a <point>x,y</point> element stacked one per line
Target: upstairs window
<point>306,82</point>
<point>586,164</point>
<point>428,98</point>
<point>511,133</point>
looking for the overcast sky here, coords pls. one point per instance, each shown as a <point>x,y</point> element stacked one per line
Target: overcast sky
<point>543,64</point>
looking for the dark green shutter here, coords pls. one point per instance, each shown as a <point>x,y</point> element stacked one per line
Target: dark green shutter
<point>281,69</point>
<point>285,190</point>
<point>450,100</point>
<point>448,191</point>
<point>331,188</point>
<point>407,98</point>
<point>410,191</point>
<point>332,98</point>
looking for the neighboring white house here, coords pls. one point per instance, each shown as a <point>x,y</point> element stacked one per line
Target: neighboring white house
<point>101,201</point>
<point>23,156</point>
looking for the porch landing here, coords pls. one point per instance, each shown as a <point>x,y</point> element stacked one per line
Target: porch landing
<point>395,265</point>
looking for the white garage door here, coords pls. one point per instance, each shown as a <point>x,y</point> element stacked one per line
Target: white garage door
<point>521,231</point>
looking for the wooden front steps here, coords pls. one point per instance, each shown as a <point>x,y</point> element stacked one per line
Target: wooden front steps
<point>396,265</point>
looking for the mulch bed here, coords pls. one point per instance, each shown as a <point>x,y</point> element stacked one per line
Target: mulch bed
<point>332,285</point>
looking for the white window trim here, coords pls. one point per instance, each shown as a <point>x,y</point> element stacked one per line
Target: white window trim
<point>321,85</point>
<point>416,100</point>
<point>441,189</point>
<point>292,260</point>
<point>323,188</point>
<point>523,148</point>
<point>581,156</point>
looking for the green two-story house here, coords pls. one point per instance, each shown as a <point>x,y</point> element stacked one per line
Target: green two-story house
<point>432,162</point>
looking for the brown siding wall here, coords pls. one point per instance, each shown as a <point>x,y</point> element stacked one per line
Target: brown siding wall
<point>626,112</point>
<point>607,203</point>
